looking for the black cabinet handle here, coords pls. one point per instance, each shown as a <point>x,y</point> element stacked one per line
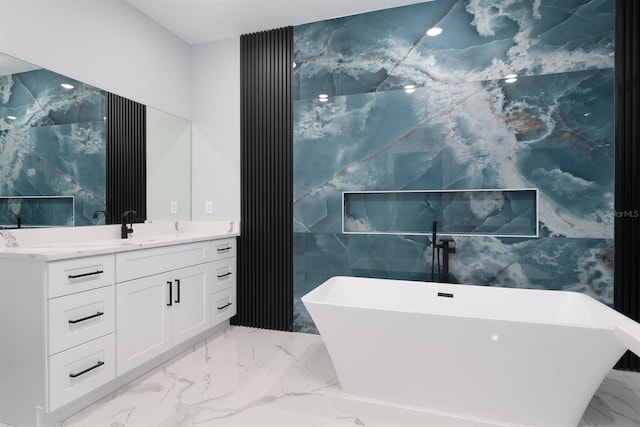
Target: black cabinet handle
<point>220,276</point>
<point>224,306</point>
<point>228,248</point>
<point>170,303</point>
<point>76,276</point>
<point>177,301</point>
<point>86,318</point>
<point>97,365</point>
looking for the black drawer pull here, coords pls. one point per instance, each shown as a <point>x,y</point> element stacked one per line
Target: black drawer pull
<point>228,248</point>
<point>86,318</point>
<point>445,294</point>
<point>76,276</point>
<point>177,301</point>
<point>97,365</point>
<point>170,303</point>
<point>220,276</point>
<point>224,306</point>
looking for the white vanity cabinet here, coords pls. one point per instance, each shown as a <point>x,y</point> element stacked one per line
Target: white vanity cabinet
<point>223,280</point>
<point>57,332</point>
<point>77,325</point>
<point>164,308</point>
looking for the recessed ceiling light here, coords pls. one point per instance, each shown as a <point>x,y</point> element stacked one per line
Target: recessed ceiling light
<point>67,86</point>
<point>434,31</point>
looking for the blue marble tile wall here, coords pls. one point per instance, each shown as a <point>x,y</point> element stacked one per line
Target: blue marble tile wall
<point>463,126</point>
<point>52,143</point>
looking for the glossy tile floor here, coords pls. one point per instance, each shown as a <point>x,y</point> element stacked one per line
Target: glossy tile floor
<point>253,377</point>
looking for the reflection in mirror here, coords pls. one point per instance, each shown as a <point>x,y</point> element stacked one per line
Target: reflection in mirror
<point>168,167</point>
<point>52,148</point>
<point>53,152</point>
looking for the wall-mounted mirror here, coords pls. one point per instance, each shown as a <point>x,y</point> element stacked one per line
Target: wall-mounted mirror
<point>53,152</point>
<point>168,166</point>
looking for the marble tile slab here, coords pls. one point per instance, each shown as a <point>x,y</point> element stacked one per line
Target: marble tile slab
<point>254,377</point>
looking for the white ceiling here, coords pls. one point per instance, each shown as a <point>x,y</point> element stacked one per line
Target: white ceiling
<point>201,21</point>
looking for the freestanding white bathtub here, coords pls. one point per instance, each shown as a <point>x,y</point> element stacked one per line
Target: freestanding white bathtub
<point>527,357</point>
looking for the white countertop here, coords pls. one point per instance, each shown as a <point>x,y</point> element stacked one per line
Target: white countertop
<point>51,244</point>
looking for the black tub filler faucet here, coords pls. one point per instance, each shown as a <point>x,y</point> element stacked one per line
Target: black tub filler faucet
<point>447,246</point>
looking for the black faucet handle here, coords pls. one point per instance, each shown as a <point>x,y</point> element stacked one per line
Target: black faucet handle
<point>448,244</point>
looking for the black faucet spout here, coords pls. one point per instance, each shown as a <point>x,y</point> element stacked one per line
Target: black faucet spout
<point>105,213</point>
<point>125,229</point>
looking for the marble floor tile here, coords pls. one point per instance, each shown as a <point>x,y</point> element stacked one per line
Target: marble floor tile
<point>249,377</point>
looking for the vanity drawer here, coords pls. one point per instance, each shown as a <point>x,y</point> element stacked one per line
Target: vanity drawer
<point>79,274</point>
<point>77,371</point>
<point>223,274</point>
<point>147,262</point>
<point>223,305</point>
<point>78,318</point>
<point>224,248</point>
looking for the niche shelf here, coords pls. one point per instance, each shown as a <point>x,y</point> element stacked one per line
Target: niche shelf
<point>37,211</point>
<point>469,212</point>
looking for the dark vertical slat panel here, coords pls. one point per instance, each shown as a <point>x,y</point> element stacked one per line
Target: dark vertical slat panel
<point>265,277</point>
<point>627,158</point>
<point>126,157</point>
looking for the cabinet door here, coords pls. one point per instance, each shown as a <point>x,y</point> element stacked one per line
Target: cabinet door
<point>190,310</point>
<point>143,319</point>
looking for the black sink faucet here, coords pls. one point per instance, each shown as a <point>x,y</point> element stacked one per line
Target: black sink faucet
<point>105,213</point>
<point>124,229</point>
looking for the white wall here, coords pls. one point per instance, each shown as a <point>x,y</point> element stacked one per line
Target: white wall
<point>106,43</point>
<point>216,129</point>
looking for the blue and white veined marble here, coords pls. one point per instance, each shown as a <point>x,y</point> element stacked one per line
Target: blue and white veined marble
<point>463,126</point>
<point>481,40</point>
<point>55,145</point>
<point>540,131</point>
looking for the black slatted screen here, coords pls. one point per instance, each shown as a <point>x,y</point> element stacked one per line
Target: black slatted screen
<point>627,161</point>
<point>126,157</point>
<point>265,274</point>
